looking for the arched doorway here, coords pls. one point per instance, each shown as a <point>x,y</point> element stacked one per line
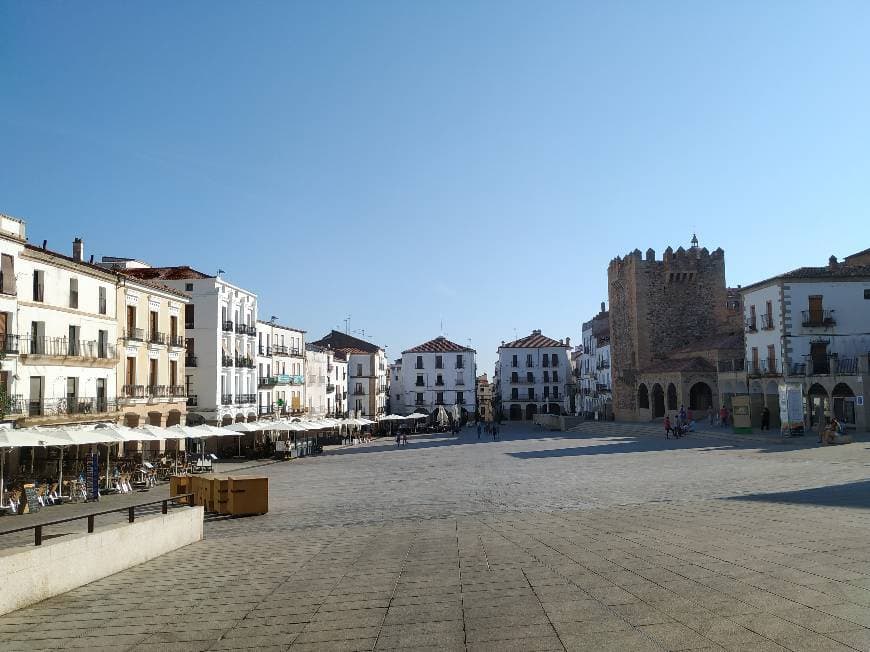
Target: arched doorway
<point>252,417</point>
<point>843,399</point>
<point>554,408</point>
<point>240,418</point>
<point>643,397</point>
<point>515,412</point>
<point>672,397</point>
<point>700,397</point>
<point>227,420</point>
<point>173,418</point>
<point>658,401</point>
<point>818,406</point>
<point>531,411</point>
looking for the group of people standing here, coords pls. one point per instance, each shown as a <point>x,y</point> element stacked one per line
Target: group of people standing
<point>490,428</point>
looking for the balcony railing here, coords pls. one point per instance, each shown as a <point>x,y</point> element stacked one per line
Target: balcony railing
<point>279,349</point>
<point>9,343</point>
<point>133,391</point>
<point>135,334</point>
<point>295,351</point>
<point>226,399</point>
<point>818,318</point>
<point>243,361</point>
<point>192,400</point>
<point>244,329</point>
<point>264,350</point>
<point>330,388</point>
<point>267,381</point>
<point>725,366</point>
<point>766,322</point>
<point>227,326</point>
<point>264,410</point>
<point>177,391</point>
<point>226,360</point>
<point>70,406</point>
<point>761,368</point>
<point>190,361</point>
<point>63,347</point>
<point>751,325</point>
<point>246,398</point>
<point>156,337</point>
<point>158,391</point>
<point>176,340</point>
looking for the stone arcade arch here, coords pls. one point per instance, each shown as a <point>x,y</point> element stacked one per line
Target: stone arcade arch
<point>658,401</point>
<point>700,397</point>
<point>531,411</point>
<point>818,406</point>
<point>843,399</point>
<point>672,397</point>
<point>643,397</point>
<point>516,412</point>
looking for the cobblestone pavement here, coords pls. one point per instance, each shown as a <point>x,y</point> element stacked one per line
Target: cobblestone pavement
<point>612,538</point>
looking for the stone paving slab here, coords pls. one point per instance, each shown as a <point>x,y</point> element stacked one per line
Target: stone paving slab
<point>537,542</point>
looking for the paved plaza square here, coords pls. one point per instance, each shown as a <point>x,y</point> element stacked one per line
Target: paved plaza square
<point>609,538</point>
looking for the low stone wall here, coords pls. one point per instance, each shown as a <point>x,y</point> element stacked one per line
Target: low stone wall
<point>556,422</point>
<point>28,575</point>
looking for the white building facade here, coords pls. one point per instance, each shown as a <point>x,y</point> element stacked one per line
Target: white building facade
<point>437,373</point>
<point>12,240</point>
<point>592,365</point>
<point>280,370</point>
<point>811,326</point>
<point>367,374</point>
<point>68,338</point>
<point>325,382</point>
<point>533,376</point>
<point>220,327</point>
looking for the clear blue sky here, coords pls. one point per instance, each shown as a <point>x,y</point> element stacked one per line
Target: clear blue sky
<point>408,162</point>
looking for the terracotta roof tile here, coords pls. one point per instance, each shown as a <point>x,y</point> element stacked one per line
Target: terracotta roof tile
<point>176,273</point>
<point>439,345</point>
<point>533,341</point>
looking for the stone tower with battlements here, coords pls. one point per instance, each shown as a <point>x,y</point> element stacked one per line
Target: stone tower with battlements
<point>657,306</point>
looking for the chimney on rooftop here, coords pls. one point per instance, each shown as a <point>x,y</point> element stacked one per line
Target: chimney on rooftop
<point>602,306</point>
<point>78,250</point>
<point>567,341</point>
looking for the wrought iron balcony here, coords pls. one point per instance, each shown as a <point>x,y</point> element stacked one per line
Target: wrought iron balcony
<point>264,350</point>
<point>158,391</point>
<point>134,334</point>
<point>63,347</point>
<point>190,361</point>
<point>226,399</point>
<point>330,388</point>
<point>767,322</point>
<point>133,391</point>
<point>267,381</point>
<point>177,391</point>
<point>9,343</point>
<point>228,326</point>
<point>279,349</point>
<point>192,400</point>
<point>226,360</point>
<point>176,341</point>
<point>818,318</point>
<point>246,398</point>
<point>244,361</point>
<point>70,406</point>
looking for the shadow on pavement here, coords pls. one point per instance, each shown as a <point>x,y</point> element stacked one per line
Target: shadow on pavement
<point>853,494</point>
<point>622,446</point>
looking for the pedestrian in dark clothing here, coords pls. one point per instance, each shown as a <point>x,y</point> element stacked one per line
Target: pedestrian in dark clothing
<point>667,427</point>
<point>478,431</point>
<point>405,438</point>
<point>765,419</point>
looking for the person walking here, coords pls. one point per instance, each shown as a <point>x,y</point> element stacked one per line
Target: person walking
<point>765,419</point>
<point>667,427</point>
<point>478,431</point>
<point>405,438</point>
<point>723,416</point>
<point>682,414</point>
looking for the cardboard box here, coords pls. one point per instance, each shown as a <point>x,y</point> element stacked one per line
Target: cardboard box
<point>248,495</point>
<point>179,484</point>
<point>220,494</point>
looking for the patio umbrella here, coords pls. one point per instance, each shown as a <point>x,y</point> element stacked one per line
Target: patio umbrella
<point>165,434</point>
<point>239,429</point>
<point>123,434</point>
<point>21,438</point>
